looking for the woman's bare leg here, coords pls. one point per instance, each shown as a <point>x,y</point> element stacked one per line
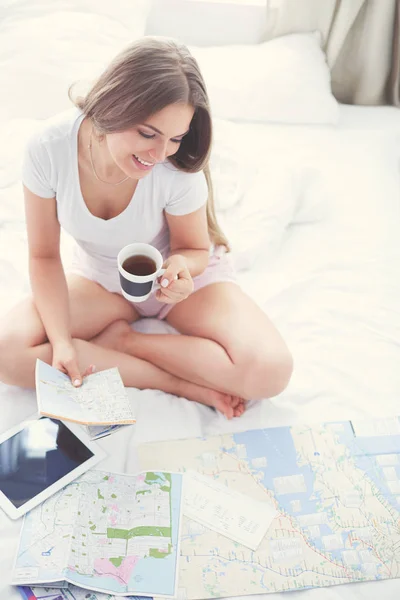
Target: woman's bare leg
<point>134,373</point>
<point>23,340</point>
<point>227,343</point>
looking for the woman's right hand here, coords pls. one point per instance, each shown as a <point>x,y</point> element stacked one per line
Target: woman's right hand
<point>66,361</point>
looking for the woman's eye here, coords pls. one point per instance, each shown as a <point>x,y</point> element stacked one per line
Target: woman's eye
<point>177,141</point>
<point>148,136</point>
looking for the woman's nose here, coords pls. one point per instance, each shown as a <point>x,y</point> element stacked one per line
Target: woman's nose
<point>159,152</point>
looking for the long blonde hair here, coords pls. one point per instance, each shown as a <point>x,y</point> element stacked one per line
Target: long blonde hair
<point>149,75</point>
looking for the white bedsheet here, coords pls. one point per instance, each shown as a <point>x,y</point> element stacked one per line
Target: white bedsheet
<point>330,283</point>
<point>331,286</point>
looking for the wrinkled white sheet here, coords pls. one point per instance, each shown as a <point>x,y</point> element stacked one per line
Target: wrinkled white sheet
<point>313,214</point>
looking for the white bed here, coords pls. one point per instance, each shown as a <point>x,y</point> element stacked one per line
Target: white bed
<point>322,261</point>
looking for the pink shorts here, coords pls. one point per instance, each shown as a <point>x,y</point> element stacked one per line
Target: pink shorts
<point>220,269</point>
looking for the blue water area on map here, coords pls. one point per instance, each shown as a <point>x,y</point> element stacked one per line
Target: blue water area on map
<point>276,444</point>
<point>159,573</point>
<point>151,575</point>
<point>364,451</point>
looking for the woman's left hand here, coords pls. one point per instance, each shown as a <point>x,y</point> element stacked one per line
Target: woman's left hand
<point>176,283</point>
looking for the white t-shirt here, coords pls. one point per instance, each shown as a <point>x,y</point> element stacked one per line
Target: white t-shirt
<point>50,169</point>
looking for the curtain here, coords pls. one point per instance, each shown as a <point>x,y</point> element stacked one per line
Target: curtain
<point>394,81</point>
<point>360,38</point>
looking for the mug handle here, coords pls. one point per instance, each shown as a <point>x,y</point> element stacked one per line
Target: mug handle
<point>156,285</point>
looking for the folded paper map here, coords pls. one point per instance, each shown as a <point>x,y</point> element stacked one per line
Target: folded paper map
<point>69,593</point>
<point>115,534</point>
<point>100,400</point>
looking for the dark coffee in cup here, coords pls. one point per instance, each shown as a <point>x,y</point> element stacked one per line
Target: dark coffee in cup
<point>139,265</point>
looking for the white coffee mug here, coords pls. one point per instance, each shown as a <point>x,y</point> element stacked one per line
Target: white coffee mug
<point>137,288</point>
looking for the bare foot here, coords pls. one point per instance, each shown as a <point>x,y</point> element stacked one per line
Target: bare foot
<point>228,405</point>
<point>239,406</point>
<point>114,336</point>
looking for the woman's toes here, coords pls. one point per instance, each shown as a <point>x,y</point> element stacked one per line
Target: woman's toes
<point>237,401</point>
<point>224,406</point>
<point>239,410</point>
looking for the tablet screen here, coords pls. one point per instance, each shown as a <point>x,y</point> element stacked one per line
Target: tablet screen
<point>37,456</point>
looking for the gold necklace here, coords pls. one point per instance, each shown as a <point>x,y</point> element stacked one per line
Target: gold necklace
<point>94,170</point>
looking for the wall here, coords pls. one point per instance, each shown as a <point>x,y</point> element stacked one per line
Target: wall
<point>208,22</point>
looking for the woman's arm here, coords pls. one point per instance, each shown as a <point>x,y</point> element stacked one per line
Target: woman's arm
<point>48,282</point>
<point>189,238</point>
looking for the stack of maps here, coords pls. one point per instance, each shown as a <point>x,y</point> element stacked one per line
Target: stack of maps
<point>333,489</point>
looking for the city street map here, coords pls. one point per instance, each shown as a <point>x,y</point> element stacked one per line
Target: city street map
<point>117,534</point>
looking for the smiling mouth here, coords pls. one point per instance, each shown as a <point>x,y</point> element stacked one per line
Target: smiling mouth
<point>143,162</point>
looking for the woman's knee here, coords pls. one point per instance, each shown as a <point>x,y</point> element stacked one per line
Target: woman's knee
<point>265,373</point>
<point>10,351</point>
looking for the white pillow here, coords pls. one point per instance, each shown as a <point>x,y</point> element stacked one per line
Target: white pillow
<point>284,80</point>
<point>265,178</point>
<point>256,225</point>
<point>47,45</point>
<point>231,164</point>
<point>241,150</point>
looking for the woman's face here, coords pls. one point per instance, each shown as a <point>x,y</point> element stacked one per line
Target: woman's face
<point>138,149</point>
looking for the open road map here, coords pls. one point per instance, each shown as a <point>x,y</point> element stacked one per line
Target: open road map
<point>338,502</point>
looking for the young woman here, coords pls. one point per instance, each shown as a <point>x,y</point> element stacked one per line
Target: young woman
<point>130,164</point>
